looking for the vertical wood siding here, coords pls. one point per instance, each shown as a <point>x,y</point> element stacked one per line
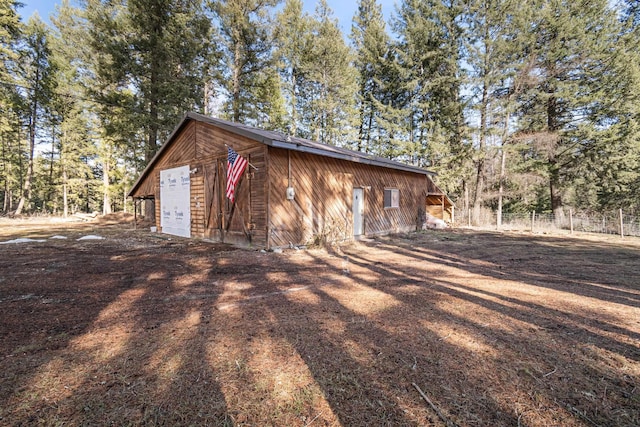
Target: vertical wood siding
<point>322,208</point>
<point>201,146</point>
<point>181,152</point>
<point>263,217</point>
<point>219,220</point>
<point>197,204</point>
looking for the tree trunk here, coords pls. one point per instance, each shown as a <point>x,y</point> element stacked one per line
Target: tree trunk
<point>480,172</point>
<point>152,137</point>
<point>553,127</point>
<point>503,161</point>
<point>65,199</point>
<point>236,82</point>
<point>106,202</point>
<point>556,194</point>
<point>294,107</point>
<point>26,193</point>
<point>6,203</point>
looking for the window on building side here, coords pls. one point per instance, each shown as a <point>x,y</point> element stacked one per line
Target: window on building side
<point>391,198</point>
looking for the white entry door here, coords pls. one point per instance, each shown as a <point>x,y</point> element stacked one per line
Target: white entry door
<point>358,211</point>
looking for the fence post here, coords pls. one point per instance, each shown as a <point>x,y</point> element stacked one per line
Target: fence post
<point>533,220</point>
<point>571,220</point>
<point>621,224</point>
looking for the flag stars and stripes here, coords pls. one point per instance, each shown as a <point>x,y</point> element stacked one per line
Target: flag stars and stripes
<point>236,164</point>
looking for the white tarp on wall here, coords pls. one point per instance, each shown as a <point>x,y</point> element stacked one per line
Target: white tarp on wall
<point>175,211</point>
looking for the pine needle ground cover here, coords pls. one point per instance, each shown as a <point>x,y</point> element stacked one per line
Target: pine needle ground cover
<point>458,327</point>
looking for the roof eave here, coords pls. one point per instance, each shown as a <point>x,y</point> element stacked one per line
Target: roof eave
<point>158,154</point>
<point>336,155</point>
<point>272,143</point>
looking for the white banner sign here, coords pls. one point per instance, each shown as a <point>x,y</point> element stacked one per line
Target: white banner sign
<point>175,208</point>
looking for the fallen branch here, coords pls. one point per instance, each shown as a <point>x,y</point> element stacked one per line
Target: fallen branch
<point>579,413</point>
<point>444,338</point>
<point>434,407</point>
<point>549,373</point>
<point>314,418</point>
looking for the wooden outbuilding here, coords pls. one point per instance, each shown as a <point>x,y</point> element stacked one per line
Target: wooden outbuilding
<point>294,191</point>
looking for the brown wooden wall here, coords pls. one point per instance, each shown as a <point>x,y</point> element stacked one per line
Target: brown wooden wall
<point>201,146</point>
<point>181,152</point>
<point>322,208</point>
<point>262,216</point>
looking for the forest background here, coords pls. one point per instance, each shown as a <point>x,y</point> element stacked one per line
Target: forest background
<point>516,105</point>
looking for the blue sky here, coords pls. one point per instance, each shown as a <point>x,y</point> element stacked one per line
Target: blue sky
<point>342,9</point>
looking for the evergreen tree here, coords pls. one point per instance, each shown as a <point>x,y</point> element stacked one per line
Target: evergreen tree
<point>149,67</point>
<point>614,150</point>
<point>293,39</point>
<point>72,144</point>
<point>571,52</point>
<point>36,73</point>
<point>247,55</point>
<point>372,44</point>
<point>10,31</point>
<point>156,51</point>
<point>495,35</point>
<point>328,83</point>
<point>428,58</point>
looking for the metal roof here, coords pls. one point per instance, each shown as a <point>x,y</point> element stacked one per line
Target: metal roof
<point>287,142</point>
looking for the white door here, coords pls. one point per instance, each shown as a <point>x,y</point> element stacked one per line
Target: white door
<point>175,197</point>
<point>358,211</point>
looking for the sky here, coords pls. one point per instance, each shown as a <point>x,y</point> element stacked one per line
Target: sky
<point>342,9</point>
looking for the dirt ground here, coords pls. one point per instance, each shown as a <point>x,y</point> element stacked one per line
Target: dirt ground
<point>449,328</point>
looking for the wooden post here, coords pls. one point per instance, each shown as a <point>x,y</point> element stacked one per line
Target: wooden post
<point>135,213</point>
<point>571,220</point>
<point>533,220</point>
<point>469,212</point>
<point>221,196</point>
<point>621,224</point>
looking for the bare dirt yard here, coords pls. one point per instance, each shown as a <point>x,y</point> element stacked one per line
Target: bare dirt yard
<point>449,328</point>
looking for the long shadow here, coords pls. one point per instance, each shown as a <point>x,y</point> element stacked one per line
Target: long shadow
<point>572,329</point>
<point>525,311</point>
<point>538,265</point>
<point>117,360</point>
<point>177,358</point>
<point>39,315</point>
<point>358,363</point>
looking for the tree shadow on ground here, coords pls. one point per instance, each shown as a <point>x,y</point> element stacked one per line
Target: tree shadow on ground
<point>495,330</point>
<point>124,353</point>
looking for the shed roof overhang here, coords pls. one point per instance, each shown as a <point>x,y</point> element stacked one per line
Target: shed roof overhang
<point>439,199</point>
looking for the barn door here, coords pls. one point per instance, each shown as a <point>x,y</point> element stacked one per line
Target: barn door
<point>212,214</point>
<point>358,211</point>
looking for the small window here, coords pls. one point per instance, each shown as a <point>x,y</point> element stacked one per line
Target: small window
<point>391,198</point>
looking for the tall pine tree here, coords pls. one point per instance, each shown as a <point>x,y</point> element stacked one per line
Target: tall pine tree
<point>430,103</point>
<point>571,52</point>
<point>36,77</point>
<point>246,42</point>
<point>10,31</point>
<point>328,83</point>
<point>72,144</point>
<point>372,44</point>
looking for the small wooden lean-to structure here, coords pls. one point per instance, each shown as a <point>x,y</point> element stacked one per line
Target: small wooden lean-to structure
<point>294,192</point>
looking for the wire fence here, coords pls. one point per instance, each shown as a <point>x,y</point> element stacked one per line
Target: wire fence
<point>604,223</point>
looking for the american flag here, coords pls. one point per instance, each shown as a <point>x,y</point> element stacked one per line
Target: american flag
<point>236,165</point>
